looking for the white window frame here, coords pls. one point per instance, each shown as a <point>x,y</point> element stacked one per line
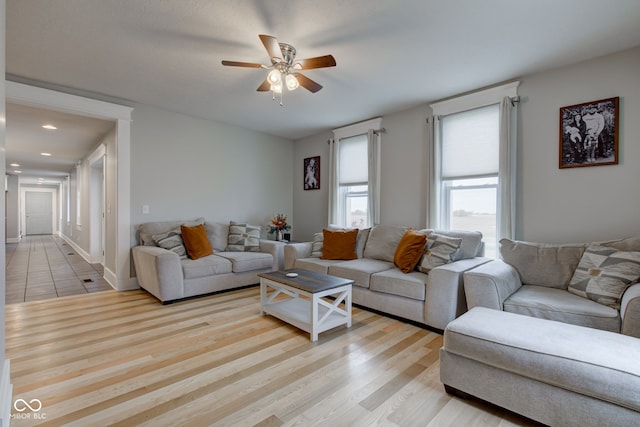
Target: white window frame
<point>439,194</point>
<point>361,128</point>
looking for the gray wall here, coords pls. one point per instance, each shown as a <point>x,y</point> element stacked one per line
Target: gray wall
<point>183,167</point>
<point>568,205</point>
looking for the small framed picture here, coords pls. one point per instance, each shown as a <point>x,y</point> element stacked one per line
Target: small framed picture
<point>589,134</point>
<point>312,173</point>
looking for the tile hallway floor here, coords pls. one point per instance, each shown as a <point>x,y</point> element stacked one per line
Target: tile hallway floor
<point>42,267</point>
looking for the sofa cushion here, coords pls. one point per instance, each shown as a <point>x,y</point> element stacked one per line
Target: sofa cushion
<point>145,232</point>
<point>339,244</point>
<point>359,270</point>
<point>604,273</point>
<point>248,261</point>
<point>171,241</point>
<point>204,267</point>
<point>441,250</point>
<point>409,250</point>
<point>196,241</point>
<point>383,241</point>
<point>558,304</point>
<point>409,285</point>
<point>218,235</point>
<point>542,264</point>
<point>243,237</point>
<point>315,264</point>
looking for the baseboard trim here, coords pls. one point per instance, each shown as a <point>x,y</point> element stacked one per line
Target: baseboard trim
<point>6,394</point>
<point>77,248</point>
<point>13,239</point>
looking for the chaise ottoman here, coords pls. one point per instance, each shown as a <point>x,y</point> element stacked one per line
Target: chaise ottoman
<point>552,372</point>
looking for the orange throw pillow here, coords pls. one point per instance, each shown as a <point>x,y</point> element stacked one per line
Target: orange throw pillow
<point>196,241</point>
<point>409,251</point>
<point>339,244</point>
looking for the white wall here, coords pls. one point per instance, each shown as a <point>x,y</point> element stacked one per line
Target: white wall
<point>183,167</point>
<point>568,205</point>
<point>579,204</point>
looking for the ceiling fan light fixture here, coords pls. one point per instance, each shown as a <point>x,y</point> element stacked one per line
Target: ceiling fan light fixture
<point>276,87</point>
<point>275,77</point>
<point>292,82</point>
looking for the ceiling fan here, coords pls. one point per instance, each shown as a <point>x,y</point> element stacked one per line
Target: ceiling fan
<point>285,68</point>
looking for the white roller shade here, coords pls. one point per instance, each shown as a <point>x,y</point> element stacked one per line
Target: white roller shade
<point>353,160</point>
<point>471,143</point>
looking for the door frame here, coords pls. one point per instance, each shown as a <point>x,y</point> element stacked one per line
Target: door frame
<point>117,271</point>
<point>23,206</point>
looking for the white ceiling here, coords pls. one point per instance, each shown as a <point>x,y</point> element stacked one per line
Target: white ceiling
<point>390,54</point>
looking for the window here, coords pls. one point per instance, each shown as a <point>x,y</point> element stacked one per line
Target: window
<point>354,181</point>
<point>474,156</point>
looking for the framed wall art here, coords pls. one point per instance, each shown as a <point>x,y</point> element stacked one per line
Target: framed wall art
<point>312,173</point>
<point>589,134</point>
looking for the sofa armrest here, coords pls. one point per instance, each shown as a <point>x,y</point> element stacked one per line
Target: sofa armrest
<point>159,272</point>
<point>276,249</point>
<point>490,284</point>
<point>293,251</point>
<point>630,311</point>
<point>445,298</point>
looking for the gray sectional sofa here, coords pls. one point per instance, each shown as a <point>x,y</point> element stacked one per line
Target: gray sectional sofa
<point>546,281</point>
<point>163,273</point>
<point>432,298</point>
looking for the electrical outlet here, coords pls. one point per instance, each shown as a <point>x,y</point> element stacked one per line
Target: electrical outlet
<point>145,209</point>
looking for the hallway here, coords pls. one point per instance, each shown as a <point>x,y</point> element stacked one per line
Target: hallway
<point>43,267</point>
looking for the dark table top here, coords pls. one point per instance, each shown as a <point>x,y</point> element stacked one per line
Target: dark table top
<point>308,281</point>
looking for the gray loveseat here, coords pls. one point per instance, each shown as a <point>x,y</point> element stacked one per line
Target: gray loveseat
<point>434,298</point>
<point>533,279</point>
<point>163,273</point>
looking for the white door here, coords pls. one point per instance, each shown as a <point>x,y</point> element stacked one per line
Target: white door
<point>38,212</point>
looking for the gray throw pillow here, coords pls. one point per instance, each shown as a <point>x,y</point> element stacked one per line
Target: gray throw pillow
<point>604,273</point>
<point>172,241</point>
<point>243,237</point>
<point>440,250</point>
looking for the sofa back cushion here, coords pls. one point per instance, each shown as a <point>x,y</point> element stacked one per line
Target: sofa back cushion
<point>218,235</point>
<point>542,264</point>
<point>146,231</point>
<point>383,241</point>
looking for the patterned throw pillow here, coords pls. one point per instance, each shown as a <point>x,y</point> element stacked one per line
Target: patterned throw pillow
<point>316,248</point>
<point>604,273</point>
<point>440,250</point>
<point>243,237</point>
<point>172,241</point>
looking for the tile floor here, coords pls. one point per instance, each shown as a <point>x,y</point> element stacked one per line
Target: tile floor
<point>42,267</point>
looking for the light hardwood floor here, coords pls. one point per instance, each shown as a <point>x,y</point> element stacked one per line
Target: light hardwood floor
<point>122,358</point>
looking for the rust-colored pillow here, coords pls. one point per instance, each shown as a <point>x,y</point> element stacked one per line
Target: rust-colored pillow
<point>409,250</point>
<point>339,244</point>
<point>196,241</point>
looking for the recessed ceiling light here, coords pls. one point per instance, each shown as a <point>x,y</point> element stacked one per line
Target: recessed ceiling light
<point>14,165</point>
<point>18,171</point>
<point>45,154</point>
<point>49,127</point>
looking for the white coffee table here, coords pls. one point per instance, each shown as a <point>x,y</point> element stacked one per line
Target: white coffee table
<point>303,301</point>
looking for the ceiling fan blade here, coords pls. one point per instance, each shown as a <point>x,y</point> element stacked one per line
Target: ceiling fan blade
<point>241,64</point>
<point>273,47</point>
<point>307,83</point>
<point>265,86</point>
<point>317,62</point>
